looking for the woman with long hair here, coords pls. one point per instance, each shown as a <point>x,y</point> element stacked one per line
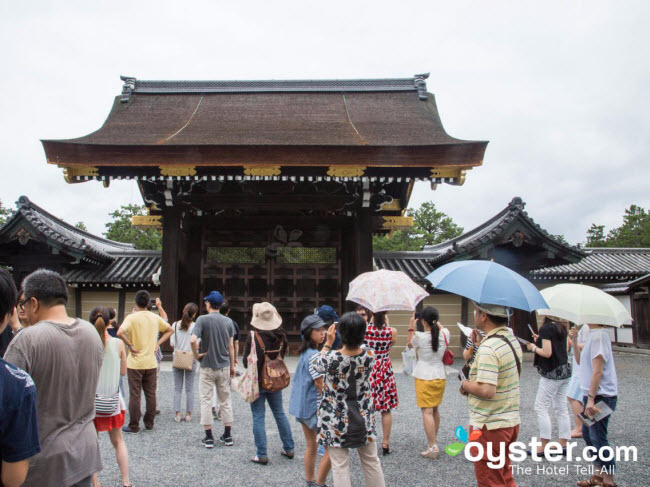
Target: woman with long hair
<point>552,362</point>
<point>108,395</point>
<point>180,340</point>
<point>306,393</point>
<point>380,338</point>
<point>429,373</point>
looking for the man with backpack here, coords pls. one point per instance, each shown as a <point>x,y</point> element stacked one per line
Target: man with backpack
<point>217,359</point>
<point>492,392</point>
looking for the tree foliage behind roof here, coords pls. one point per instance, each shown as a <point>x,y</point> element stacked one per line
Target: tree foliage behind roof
<point>121,230</point>
<point>5,213</point>
<point>634,232</point>
<point>430,227</point>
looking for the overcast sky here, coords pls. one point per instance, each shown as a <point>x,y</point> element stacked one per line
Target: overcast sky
<point>560,89</point>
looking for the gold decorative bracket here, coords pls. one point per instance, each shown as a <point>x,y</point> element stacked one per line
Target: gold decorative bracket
<point>458,174</point>
<point>177,171</point>
<point>70,173</point>
<point>262,170</point>
<point>146,221</point>
<point>394,222</point>
<point>346,171</point>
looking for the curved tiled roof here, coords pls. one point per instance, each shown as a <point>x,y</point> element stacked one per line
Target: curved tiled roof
<point>134,267</point>
<point>496,227</point>
<point>601,263</point>
<point>60,234</point>
<point>416,265</point>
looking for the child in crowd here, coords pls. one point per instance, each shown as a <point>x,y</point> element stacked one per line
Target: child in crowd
<point>306,395</point>
<point>346,415</point>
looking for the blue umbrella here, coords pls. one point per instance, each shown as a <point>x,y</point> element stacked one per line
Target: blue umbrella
<point>489,283</point>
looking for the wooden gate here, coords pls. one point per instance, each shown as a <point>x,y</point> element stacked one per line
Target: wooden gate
<point>296,270</point>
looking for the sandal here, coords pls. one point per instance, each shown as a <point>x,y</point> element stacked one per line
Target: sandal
<point>261,461</point>
<point>385,449</point>
<point>177,419</point>
<point>188,418</point>
<point>593,481</point>
<point>431,452</point>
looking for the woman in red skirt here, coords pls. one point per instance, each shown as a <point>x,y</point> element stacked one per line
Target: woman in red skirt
<point>380,338</point>
<point>109,404</point>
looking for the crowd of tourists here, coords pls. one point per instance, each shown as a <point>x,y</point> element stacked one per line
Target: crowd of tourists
<point>61,383</point>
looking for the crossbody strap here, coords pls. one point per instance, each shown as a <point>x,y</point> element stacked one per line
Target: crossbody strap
<point>261,344</point>
<point>517,361</point>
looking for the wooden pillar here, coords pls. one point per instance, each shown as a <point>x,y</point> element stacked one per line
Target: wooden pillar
<point>78,309</point>
<point>121,305</point>
<point>364,241</point>
<point>170,261</point>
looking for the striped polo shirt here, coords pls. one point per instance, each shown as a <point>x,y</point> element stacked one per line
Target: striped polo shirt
<point>495,364</point>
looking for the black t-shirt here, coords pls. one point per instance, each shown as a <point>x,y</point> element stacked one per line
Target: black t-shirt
<point>551,331</point>
<point>5,338</point>
<point>18,421</point>
<point>236,336</point>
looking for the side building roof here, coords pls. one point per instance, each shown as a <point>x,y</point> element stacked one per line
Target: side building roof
<point>601,264</point>
<point>31,222</point>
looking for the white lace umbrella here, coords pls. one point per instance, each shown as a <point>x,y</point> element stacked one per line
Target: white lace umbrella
<point>584,304</point>
<point>384,290</point>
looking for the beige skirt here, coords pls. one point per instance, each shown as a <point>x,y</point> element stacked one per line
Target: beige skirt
<point>428,393</point>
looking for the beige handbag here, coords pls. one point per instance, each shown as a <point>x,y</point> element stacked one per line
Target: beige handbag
<point>183,359</point>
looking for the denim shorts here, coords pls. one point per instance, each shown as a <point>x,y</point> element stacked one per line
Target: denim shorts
<point>311,422</point>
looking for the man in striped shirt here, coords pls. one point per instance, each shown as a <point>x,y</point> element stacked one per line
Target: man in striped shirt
<point>493,393</point>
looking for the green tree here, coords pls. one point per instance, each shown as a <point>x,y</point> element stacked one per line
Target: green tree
<point>596,236</point>
<point>5,213</point>
<point>635,230</point>
<point>81,226</point>
<point>121,230</point>
<point>430,227</point>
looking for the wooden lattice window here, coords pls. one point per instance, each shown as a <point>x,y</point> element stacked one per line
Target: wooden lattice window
<point>236,255</point>
<point>306,255</point>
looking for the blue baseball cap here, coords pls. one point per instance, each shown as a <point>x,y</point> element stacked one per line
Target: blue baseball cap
<point>327,314</point>
<point>214,298</point>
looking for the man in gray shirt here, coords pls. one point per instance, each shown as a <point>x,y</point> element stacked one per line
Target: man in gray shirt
<point>217,359</point>
<point>64,356</point>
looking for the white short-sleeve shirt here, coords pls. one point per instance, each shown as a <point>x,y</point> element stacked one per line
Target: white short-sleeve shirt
<point>597,344</point>
<point>429,365</point>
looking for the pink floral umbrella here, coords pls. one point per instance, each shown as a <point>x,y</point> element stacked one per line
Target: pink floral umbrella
<point>384,290</point>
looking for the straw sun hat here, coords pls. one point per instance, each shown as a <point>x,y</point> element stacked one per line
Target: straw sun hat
<point>265,317</point>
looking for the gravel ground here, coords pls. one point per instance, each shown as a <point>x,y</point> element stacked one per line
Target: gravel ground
<point>172,455</point>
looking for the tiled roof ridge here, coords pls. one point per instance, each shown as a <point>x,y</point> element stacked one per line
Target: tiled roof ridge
<point>132,85</point>
<point>24,205</point>
<point>618,250</point>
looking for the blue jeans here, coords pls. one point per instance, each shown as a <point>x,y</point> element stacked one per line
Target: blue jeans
<point>596,435</point>
<point>258,408</point>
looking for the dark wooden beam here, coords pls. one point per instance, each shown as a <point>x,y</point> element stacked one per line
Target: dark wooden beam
<point>170,259</point>
<point>364,240</point>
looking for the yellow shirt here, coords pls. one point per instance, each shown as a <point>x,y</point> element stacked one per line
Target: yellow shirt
<point>143,328</point>
<point>495,364</point>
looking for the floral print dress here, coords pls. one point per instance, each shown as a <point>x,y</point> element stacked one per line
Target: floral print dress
<point>346,416</point>
<point>382,379</point>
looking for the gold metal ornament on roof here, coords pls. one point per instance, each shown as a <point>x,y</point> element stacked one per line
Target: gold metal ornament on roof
<point>346,171</point>
<point>396,222</point>
<point>146,221</point>
<point>71,173</point>
<point>177,171</point>
<point>262,171</point>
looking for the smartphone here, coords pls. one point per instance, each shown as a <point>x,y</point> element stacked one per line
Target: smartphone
<point>531,329</point>
<point>461,375</point>
<point>152,303</point>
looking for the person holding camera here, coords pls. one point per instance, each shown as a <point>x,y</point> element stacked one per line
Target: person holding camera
<point>139,332</point>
